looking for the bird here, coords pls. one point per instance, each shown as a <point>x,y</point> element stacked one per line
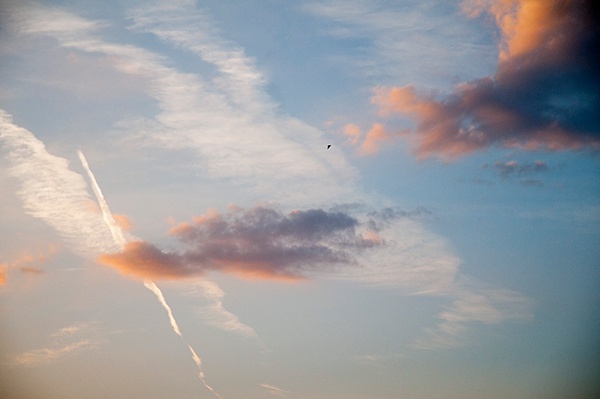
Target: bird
<point>328,145</point>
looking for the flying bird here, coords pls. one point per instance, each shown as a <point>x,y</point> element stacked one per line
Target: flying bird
<point>328,145</point>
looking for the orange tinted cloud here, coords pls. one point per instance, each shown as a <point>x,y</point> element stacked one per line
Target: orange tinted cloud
<point>143,260</point>
<point>26,263</point>
<point>258,243</point>
<point>123,221</point>
<point>31,270</point>
<point>544,95</point>
<point>527,26</point>
<point>352,132</point>
<point>373,140</point>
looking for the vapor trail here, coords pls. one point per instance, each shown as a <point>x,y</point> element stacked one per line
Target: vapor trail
<point>120,239</point>
<point>159,295</point>
<point>110,221</point>
<point>154,288</point>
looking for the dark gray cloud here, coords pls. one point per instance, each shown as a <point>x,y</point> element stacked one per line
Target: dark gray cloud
<point>258,243</point>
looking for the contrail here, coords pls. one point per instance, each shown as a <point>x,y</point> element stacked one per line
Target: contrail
<point>159,295</point>
<point>120,239</point>
<point>110,221</point>
<point>154,288</point>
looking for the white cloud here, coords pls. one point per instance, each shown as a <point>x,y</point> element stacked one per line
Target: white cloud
<point>228,121</point>
<point>474,302</point>
<point>65,341</point>
<point>52,192</point>
<point>214,313</point>
<point>274,390</point>
<point>411,42</point>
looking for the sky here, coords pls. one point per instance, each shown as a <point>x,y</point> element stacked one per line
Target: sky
<point>297,199</point>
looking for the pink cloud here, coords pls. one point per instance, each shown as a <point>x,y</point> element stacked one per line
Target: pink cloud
<point>27,263</point>
<point>3,268</point>
<point>373,140</point>
<point>352,132</point>
<point>123,221</point>
<point>544,95</point>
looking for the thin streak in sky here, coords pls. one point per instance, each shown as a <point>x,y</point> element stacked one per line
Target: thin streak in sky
<point>159,295</point>
<point>110,221</point>
<point>120,239</point>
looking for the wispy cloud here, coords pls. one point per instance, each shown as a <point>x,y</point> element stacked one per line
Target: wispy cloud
<point>66,341</point>
<point>409,41</point>
<point>214,312</point>
<point>238,121</point>
<point>52,192</point>
<point>27,263</point>
<point>543,95</point>
<point>374,139</point>
<point>519,172</point>
<point>474,301</point>
<point>227,122</point>
<point>274,390</point>
<point>512,167</point>
<point>377,359</point>
<point>74,329</point>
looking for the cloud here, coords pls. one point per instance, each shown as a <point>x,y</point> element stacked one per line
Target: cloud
<point>57,195</point>
<point>257,243</point>
<point>274,390</point>
<point>475,302</point>
<point>374,139</point>
<point>66,341</point>
<point>352,132</point>
<point>224,118</point>
<point>48,355</point>
<point>26,263</point>
<point>123,221</point>
<point>52,192</point>
<point>410,41</point>
<point>235,134</point>
<point>31,270</point>
<point>214,313</point>
<point>74,329</point>
<point>544,94</point>
<point>512,167</point>
<point>239,122</point>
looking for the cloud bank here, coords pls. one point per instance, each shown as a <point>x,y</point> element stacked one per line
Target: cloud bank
<point>544,95</point>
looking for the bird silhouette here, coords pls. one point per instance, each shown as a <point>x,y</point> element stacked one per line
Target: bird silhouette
<point>328,145</point>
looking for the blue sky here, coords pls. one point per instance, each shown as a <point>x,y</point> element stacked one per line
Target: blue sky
<point>174,225</point>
